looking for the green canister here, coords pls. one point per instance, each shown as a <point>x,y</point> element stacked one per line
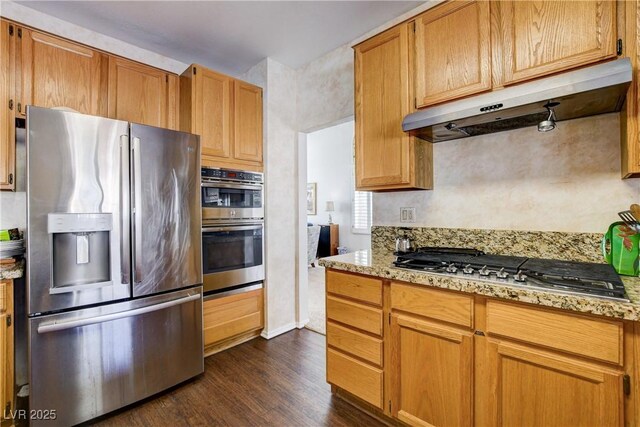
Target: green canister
<point>621,248</point>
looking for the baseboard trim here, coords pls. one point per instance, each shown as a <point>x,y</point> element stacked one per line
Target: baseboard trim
<point>302,324</point>
<point>278,331</point>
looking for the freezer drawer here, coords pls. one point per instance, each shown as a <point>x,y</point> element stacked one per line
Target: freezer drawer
<point>90,362</point>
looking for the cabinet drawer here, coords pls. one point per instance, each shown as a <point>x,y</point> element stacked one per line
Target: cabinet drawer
<point>355,376</point>
<point>594,338</point>
<point>350,341</point>
<point>366,289</point>
<point>229,316</point>
<point>436,304</point>
<point>353,314</point>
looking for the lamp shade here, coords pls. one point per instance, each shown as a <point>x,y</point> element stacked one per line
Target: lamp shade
<point>330,207</point>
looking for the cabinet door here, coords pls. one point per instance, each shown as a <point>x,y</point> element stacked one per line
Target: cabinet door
<point>453,55</point>
<point>7,113</point>
<point>530,387</point>
<point>247,119</point>
<point>138,93</point>
<point>6,346</point>
<point>381,101</point>
<point>58,73</point>
<point>212,112</point>
<point>431,373</point>
<point>544,37</point>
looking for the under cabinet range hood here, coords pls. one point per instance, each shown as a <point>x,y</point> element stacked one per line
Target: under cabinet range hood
<point>585,92</point>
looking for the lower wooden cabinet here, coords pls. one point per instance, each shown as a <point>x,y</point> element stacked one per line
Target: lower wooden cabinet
<point>231,320</point>
<point>447,358</point>
<point>430,373</point>
<point>527,386</point>
<point>6,348</point>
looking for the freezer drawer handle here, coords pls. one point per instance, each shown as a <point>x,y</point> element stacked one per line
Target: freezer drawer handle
<point>53,327</point>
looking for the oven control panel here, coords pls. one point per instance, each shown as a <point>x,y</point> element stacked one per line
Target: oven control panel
<point>231,175</point>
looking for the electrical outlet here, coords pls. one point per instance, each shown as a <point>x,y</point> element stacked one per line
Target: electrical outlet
<point>407,214</point>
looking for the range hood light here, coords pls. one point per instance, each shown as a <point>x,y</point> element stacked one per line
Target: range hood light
<point>549,124</point>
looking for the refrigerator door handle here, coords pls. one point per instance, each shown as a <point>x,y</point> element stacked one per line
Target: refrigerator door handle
<point>136,211</point>
<point>61,326</point>
<point>125,220</point>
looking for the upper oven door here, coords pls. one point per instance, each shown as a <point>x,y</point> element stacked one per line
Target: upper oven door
<point>228,200</point>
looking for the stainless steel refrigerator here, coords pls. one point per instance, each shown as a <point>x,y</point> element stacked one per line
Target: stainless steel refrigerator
<point>114,269</point>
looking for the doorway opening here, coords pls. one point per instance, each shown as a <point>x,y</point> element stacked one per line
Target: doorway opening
<point>336,218</point>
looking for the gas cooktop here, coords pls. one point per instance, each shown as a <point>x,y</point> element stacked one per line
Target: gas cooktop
<point>580,278</point>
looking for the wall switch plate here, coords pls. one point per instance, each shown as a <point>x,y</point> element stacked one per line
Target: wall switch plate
<point>407,214</point>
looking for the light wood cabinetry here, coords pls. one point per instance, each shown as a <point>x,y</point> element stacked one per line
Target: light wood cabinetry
<point>449,67</point>
<point>545,37</point>
<point>6,347</point>
<point>431,372</point>
<point>142,94</point>
<point>227,114</point>
<point>386,157</point>
<point>355,332</point>
<point>59,73</point>
<point>8,106</point>
<point>629,32</point>
<point>230,320</point>
<point>448,358</point>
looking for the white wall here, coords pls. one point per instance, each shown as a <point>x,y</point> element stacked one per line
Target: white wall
<point>564,180</point>
<point>330,166</point>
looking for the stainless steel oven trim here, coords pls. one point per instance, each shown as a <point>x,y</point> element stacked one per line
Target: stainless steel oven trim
<point>227,279</point>
<point>242,290</point>
<point>227,184</point>
<point>232,228</point>
<point>231,214</point>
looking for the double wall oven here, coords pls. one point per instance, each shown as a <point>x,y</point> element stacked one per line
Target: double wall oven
<point>232,228</point>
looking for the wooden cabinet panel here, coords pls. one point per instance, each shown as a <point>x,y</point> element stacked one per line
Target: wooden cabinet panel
<point>436,304</point>
<point>544,37</point>
<point>529,387</point>
<point>353,314</point>
<point>365,289</point>
<point>355,376</point>
<point>59,73</point>
<point>140,94</point>
<point>7,114</point>
<point>247,122</point>
<point>230,316</point>
<point>386,157</point>
<point>355,343</point>
<point>561,331</point>
<point>6,347</point>
<point>212,112</point>
<point>449,67</point>
<point>431,373</point>
<point>629,130</point>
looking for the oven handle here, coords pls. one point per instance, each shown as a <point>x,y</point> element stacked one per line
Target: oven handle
<point>232,228</point>
<point>234,186</point>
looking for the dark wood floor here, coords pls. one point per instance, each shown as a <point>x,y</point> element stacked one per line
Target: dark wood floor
<point>279,382</point>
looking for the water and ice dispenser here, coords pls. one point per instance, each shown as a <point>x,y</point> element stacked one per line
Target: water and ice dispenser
<point>80,250</point>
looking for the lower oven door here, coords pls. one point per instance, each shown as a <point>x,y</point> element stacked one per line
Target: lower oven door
<point>232,255</point>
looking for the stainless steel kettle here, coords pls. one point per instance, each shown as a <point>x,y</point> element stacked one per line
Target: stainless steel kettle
<point>403,244</point>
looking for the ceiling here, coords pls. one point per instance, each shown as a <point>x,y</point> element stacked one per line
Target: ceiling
<point>230,36</point>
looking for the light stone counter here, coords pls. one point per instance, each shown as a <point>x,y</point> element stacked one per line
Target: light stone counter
<point>12,271</point>
<point>379,263</point>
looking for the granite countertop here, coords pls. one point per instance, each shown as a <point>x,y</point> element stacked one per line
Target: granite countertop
<point>12,271</point>
<point>379,263</point>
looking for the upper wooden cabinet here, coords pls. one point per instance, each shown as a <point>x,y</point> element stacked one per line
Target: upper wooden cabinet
<point>451,66</point>
<point>142,94</point>
<point>544,37</point>
<point>7,106</point>
<point>226,113</point>
<point>629,130</point>
<point>59,73</point>
<point>386,157</point>
<point>247,125</point>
